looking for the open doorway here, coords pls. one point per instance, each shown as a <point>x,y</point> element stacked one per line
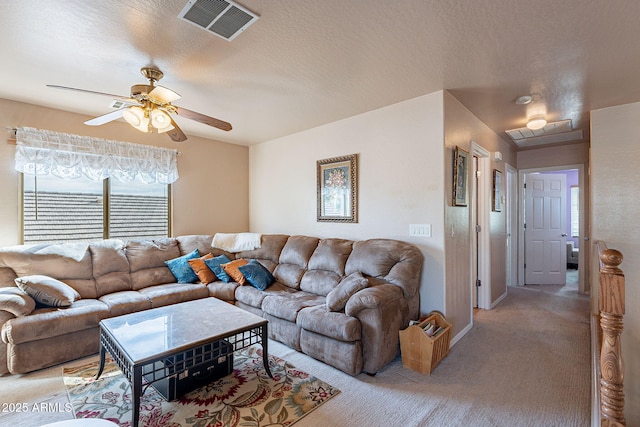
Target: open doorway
<point>574,253</point>
<point>481,241</point>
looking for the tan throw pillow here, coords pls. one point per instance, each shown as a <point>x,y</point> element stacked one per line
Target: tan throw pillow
<point>338,297</point>
<point>203,272</point>
<point>16,301</point>
<point>47,290</point>
<point>231,268</point>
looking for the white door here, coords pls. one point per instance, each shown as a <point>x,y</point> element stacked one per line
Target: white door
<point>545,229</point>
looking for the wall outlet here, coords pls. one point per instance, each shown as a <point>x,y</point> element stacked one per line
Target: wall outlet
<point>422,230</point>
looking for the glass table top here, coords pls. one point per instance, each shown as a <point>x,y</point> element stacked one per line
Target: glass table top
<point>153,332</point>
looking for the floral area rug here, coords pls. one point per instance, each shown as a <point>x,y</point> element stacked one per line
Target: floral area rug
<point>247,397</point>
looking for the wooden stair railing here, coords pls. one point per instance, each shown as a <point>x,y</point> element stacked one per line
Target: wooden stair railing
<point>611,308</point>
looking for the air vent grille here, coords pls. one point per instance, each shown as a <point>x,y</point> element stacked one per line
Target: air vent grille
<point>223,18</point>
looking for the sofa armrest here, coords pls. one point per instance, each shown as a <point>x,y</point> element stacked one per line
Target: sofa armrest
<point>4,317</point>
<point>16,301</point>
<point>372,298</point>
<point>381,311</point>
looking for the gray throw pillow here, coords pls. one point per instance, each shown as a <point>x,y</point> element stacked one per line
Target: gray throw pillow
<point>338,297</point>
<point>16,301</point>
<point>47,290</point>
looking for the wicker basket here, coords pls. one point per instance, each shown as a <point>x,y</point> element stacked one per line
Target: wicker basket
<point>420,352</point>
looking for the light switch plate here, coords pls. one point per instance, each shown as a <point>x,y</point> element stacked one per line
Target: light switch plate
<point>421,230</point>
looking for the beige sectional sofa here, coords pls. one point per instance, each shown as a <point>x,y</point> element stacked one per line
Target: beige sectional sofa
<point>339,301</point>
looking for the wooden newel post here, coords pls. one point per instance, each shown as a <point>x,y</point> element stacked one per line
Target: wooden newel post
<point>611,321</point>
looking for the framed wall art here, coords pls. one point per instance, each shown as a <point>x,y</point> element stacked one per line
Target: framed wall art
<point>460,167</point>
<point>337,190</point>
<point>496,204</point>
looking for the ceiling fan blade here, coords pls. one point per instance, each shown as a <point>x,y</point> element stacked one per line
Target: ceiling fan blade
<point>105,118</point>
<point>164,94</point>
<point>176,133</point>
<point>220,124</point>
<point>89,91</point>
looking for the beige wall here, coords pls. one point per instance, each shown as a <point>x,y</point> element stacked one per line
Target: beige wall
<point>562,155</point>
<point>615,161</point>
<point>210,196</point>
<point>404,178</point>
<point>462,127</point>
<point>401,163</point>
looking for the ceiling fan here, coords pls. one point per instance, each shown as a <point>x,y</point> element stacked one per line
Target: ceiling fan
<point>149,108</point>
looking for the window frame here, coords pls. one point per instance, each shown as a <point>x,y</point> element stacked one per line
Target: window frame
<point>106,208</point>
<point>574,211</point>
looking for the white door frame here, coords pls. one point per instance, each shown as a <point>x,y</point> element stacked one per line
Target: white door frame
<point>511,208</point>
<point>582,202</point>
<point>484,237</point>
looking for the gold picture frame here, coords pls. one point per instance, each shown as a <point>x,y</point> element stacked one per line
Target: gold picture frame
<point>460,168</point>
<point>337,189</point>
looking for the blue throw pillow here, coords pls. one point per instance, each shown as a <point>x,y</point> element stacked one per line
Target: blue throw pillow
<point>215,265</point>
<point>181,269</point>
<point>257,274</point>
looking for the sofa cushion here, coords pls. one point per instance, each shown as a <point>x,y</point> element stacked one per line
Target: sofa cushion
<point>289,275</point>
<point>181,269</point>
<point>125,302</point>
<point>332,324</point>
<point>68,262</point>
<point>331,255</point>
<point>269,251</point>
<point>51,322</point>
<point>232,269</point>
<point>225,291</point>
<point>348,356</point>
<point>253,297</point>
<point>172,293</point>
<point>326,266</point>
<point>215,264</point>
<point>294,259</point>
<point>146,261</point>
<point>204,273</point>
<point>287,306</point>
<point>110,266</point>
<point>298,250</point>
<point>338,297</point>
<point>7,275</point>
<point>257,275</point>
<point>47,290</point>
<point>201,242</point>
<point>16,301</point>
<point>319,282</point>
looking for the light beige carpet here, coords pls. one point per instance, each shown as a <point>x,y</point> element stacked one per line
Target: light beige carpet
<point>524,363</point>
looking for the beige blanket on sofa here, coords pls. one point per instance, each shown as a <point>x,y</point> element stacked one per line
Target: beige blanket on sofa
<point>236,242</point>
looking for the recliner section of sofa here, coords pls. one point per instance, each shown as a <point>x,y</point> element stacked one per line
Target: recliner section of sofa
<point>115,277</point>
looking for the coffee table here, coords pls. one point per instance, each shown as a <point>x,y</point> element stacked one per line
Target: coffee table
<point>180,336</point>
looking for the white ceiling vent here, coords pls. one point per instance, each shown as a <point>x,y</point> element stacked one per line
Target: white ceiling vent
<point>554,132</point>
<point>223,18</point>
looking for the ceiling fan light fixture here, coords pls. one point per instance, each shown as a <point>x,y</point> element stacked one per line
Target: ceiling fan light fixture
<point>136,117</point>
<point>161,121</point>
<point>536,123</point>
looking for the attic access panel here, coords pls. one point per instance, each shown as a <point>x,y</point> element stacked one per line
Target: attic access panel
<point>223,18</point>
<point>551,133</point>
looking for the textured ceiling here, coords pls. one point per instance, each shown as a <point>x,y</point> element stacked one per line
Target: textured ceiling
<point>307,62</point>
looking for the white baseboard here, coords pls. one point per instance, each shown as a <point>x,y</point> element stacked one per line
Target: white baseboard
<point>460,334</point>
<point>496,302</point>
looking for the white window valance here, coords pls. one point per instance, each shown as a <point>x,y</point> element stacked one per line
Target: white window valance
<point>44,152</point>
